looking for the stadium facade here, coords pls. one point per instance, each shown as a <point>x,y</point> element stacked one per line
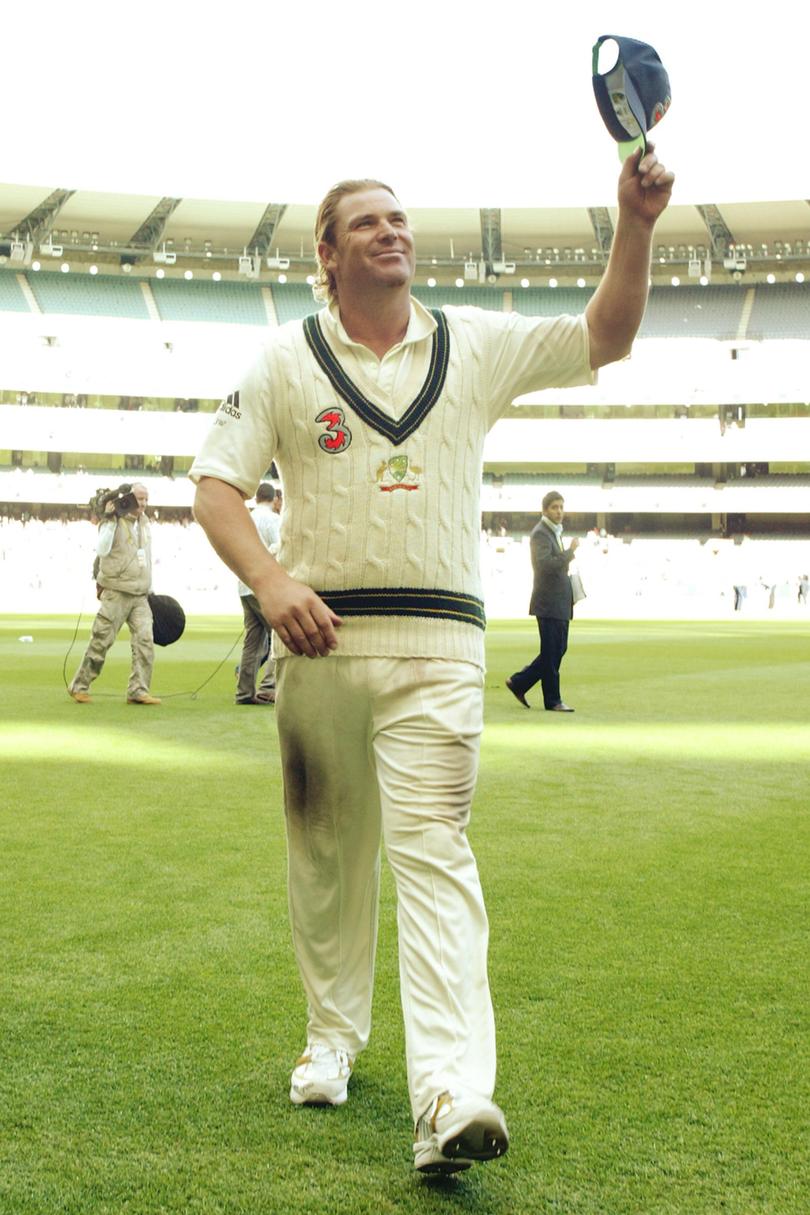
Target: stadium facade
<point>117,348</point>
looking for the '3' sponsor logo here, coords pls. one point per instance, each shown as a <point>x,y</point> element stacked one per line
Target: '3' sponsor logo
<point>337,436</point>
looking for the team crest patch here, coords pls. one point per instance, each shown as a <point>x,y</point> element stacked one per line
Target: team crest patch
<point>336,436</point>
<point>398,473</point>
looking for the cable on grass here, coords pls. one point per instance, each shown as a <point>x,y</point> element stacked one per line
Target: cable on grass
<point>165,695</point>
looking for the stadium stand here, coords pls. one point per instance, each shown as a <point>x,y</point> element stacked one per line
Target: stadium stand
<point>217,303</point>
<point>690,312</point>
<point>293,301</point>
<point>88,295</point>
<point>700,438</point>
<point>542,301</point>
<point>781,310</point>
<point>778,311</point>
<point>478,297</point>
<point>659,481</point>
<point>652,577</point>
<point>12,298</point>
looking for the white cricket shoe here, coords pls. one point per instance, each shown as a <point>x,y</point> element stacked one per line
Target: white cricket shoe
<point>455,1131</point>
<point>320,1076</point>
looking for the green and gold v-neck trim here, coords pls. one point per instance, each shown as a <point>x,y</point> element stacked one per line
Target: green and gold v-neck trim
<point>371,414</point>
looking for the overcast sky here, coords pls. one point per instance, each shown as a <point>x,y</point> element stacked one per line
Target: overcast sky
<point>455,104</point>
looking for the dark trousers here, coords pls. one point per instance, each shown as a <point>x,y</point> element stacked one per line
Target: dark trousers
<point>545,668</point>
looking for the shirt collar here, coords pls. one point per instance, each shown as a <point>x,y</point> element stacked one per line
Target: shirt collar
<point>421,325</point>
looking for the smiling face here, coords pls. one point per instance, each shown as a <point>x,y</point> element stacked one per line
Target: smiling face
<point>372,246</point>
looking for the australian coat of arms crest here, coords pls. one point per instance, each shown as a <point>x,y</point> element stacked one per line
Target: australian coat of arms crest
<point>398,473</point>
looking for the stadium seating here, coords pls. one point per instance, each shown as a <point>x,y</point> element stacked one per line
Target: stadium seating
<point>88,295</point>
<point>548,301</point>
<point>693,312</point>
<point>216,303</point>
<point>479,297</point>
<point>703,352</point>
<point>12,298</point>
<point>778,311</point>
<point>781,310</point>
<point>47,562</point>
<point>293,301</point>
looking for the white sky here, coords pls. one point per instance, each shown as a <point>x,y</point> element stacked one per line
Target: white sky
<point>455,104</point>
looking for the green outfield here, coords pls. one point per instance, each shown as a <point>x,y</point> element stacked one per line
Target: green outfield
<point>645,863</point>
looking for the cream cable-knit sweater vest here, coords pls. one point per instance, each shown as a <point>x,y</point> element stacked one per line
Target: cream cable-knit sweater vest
<point>381,517</point>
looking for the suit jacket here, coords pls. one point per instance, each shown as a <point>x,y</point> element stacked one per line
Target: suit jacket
<point>552,595</point>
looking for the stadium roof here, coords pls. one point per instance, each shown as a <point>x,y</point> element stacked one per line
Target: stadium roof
<point>87,225</point>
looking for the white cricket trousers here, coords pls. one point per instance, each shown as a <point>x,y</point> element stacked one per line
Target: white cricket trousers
<point>388,746</point>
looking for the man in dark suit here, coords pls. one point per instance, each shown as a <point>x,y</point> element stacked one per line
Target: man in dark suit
<point>552,603</point>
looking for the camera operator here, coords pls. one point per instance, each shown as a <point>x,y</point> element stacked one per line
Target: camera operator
<point>124,580</point>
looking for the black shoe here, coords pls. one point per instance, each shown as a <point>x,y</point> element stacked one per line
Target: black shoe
<point>560,708</point>
<point>250,701</point>
<point>517,695</point>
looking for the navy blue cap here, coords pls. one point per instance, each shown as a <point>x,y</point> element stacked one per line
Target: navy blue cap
<point>168,619</point>
<point>634,95</point>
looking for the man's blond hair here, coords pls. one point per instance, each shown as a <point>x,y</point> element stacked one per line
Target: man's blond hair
<point>324,287</point>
